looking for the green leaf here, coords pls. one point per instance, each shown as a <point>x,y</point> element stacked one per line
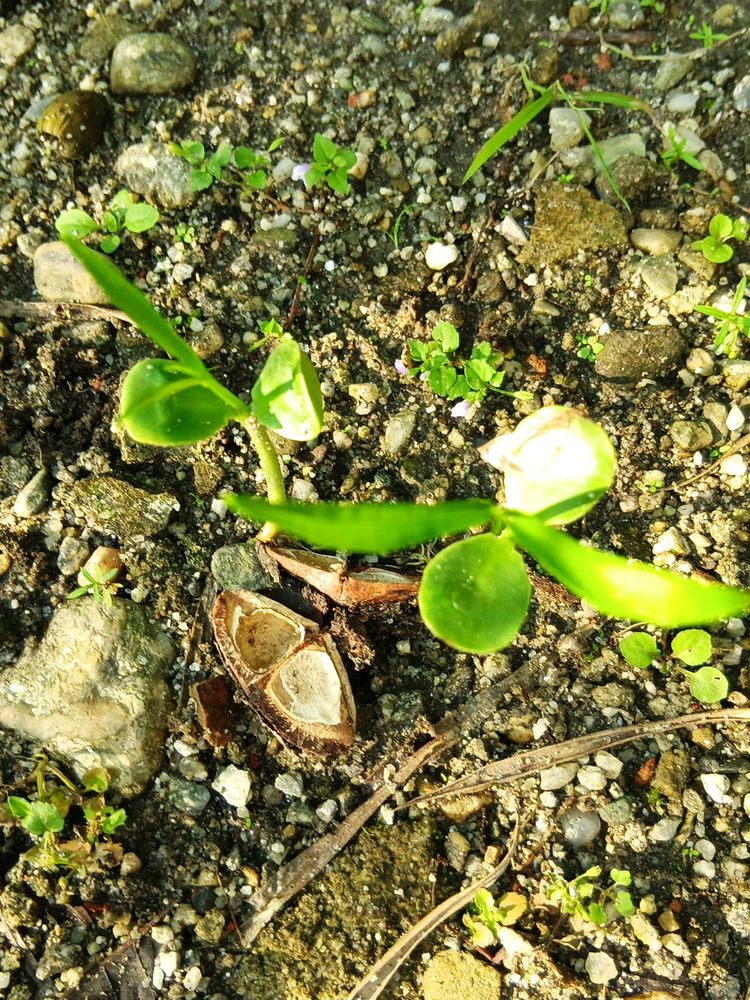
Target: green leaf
<point>621,876</point>
<point>20,808</point>
<point>713,250</point>
<point>639,649</point>
<point>337,181</point>
<point>110,243</point>
<point>75,222</point>
<point>140,217</point>
<point>693,646</point>
<point>112,819</point>
<point>122,200</point>
<point>345,159</point>
<point>96,779</point>
<point>200,179</point>
<point>162,404</point>
<point>509,131</point>
<point>323,149</point>
<point>616,99</point>
<point>315,175</point>
<point>720,227</point>
<point>596,914</point>
<point>708,685</point>
<point>245,157</point>
<point>475,594</point>
<point>377,528</point>
<point>447,336</point>
<point>287,396</point>
<point>442,377</point>
<point>256,180</point>
<point>417,350</point>
<point>111,222</point>
<point>43,816</point>
<point>624,904</point>
<point>625,588</point>
<point>190,150</point>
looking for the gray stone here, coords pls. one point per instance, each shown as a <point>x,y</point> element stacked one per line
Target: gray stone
<point>633,175</point>
<point>275,239</point>
<point>616,813</point>
<point>60,278</point>
<point>670,72</point>
<point>432,20</point>
<point>656,242</point>
<point>16,41</point>
<point>111,505</point>
<point>290,784</point>
<point>93,691</point>
<point>72,555</point>
<point>238,567</point>
<point>151,63</point>
<point>737,373</point>
<point>103,34</point>
<point>558,776</point>
<point>457,849</point>
<point>660,275</point>
<point>626,15</point>
<point>234,785</point>
<point>610,150</point>
<point>149,169</point>
<point>691,435</point>
<point>665,829</point>
<point>741,94</point>
<point>566,127</point>
<point>301,814</point>
<point>600,967</point>
<point>76,119</point>
<point>370,21</point>
<point>630,355</point>
<point>14,474</point>
<point>579,826</point>
<point>187,796</point>
<point>34,496</point>
<point>398,430</point>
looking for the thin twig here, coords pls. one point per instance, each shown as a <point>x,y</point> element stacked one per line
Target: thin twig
<point>593,37</point>
<point>293,877</point>
<point>521,765</point>
<point>294,307</point>
<point>380,975</point>
<point>739,445</point>
<point>60,311</point>
<point>463,284</point>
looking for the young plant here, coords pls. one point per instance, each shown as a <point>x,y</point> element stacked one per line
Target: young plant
<point>246,167</point>
<point>536,105</point>
<point>691,646</point>
<point>589,346</point>
<point>176,401</point>
<point>675,151</point>
<point>715,247</point>
<point>484,917</point>
<point>584,897</point>
<point>45,816</point>
<point>331,164</point>
<point>101,587</point>
<point>706,35</point>
<point>475,593</point>
<point>124,213</point>
<point>658,5</point>
<point>730,325</point>
<point>184,233</point>
<point>454,378</point>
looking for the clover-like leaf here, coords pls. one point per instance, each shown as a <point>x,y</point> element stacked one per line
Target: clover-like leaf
<point>639,649</point>
<point>708,685</point>
<point>693,646</point>
<point>475,594</point>
<point>140,217</point>
<point>75,222</point>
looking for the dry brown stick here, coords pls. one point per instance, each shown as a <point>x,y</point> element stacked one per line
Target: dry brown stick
<point>62,311</point>
<point>521,765</point>
<point>291,878</point>
<point>463,284</point>
<point>594,37</point>
<point>294,307</point>
<point>379,976</point>
<point>738,445</point>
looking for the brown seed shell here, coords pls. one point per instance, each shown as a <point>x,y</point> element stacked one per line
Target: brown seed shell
<point>77,119</point>
<point>289,672</point>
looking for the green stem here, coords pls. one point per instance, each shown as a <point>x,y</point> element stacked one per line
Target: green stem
<point>269,462</point>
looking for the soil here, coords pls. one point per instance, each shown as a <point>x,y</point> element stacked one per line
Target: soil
<point>416,92</point>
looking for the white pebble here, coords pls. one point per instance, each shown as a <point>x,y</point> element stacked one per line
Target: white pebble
<point>706,849</point>
<point>439,255</point>
<point>600,967</point>
<point>234,785</point>
<point>192,978</point>
<point>592,778</point>
<point>734,465</point>
<point>735,419</point>
<point>705,868</point>
<point>716,787</point>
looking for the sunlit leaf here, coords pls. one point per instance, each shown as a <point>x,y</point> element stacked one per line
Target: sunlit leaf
<point>287,397</point>
<point>639,649</point>
<point>140,217</point>
<point>75,222</point>
<point>509,131</point>
<point>475,594</point>
<point>365,527</point>
<point>708,685</point>
<point>625,588</point>
<point>693,646</point>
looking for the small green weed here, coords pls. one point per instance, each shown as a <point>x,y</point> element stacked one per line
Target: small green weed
<point>484,917</point>
<point>240,165</point>
<point>589,346</point>
<point>331,164</point>
<point>101,587</point>
<point>715,247</point>
<point>124,213</point>
<point>454,378</point>
<point>706,35</point>
<point>586,898</point>
<point>729,325</point>
<point>692,646</point>
<point>659,6</point>
<point>675,151</point>
<point>184,233</point>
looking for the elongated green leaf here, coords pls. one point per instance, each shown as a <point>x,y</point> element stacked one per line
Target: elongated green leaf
<point>378,528</point>
<point>164,405</point>
<point>614,98</point>
<point>475,594</point>
<point>625,588</point>
<point>511,129</point>
<point>287,396</point>
<point>134,303</point>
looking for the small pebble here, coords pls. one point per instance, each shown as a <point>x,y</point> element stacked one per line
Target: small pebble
<point>716,787</point>
<point>733,465</point>
<point>579,827</point>
<point>600,967</point>
<point>440,255</point>
<point>290,784</point>
<point>192,979</point>
<point>234,785</point>
<point>558,776</point>
<point>735,418</point>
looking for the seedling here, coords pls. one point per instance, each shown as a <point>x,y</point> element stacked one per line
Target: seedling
<point>536,105</point>
<point>484,917</point>
<point>236,165</point>
<point>590,346</point>
<point>706,35</point>
<point>397,224</point>
<point>675,151</point>
<point>475,593</point>
<point>721,229</point>
<point>691,646</point>
<point>658,5</point>
<point>124,213</point>
<point>184,233</point>
<point>331,164</point>
<point>454,378</point>
<point>101,587</point>
<point>45,817</point>
<point>729,324</point>
<point>584,897</point>
<point>176,401</point>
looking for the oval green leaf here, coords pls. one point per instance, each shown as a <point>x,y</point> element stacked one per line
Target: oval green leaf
<point>75,222</point>
<point>140,217</point>
<point>625,588</point>
<point>693,646</point>
<point>287,397</point>
<point>377,528</point>
<point>475,594</point>
<point>162,404</point>
<point>639,649</point>
<point>708,685</point>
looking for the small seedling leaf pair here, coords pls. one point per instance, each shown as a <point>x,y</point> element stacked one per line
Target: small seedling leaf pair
<point>124,212</point>
<point>177,401</point>
<point>693,647</point>
<point>730,324</point>
<point>37,817</point>
<point>721,229</point>
<point>331,164</point>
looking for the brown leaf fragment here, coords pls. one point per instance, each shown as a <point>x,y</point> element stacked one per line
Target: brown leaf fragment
<point>217,710</point>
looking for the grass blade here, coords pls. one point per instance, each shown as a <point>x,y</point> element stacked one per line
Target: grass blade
<point>509,131</point>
